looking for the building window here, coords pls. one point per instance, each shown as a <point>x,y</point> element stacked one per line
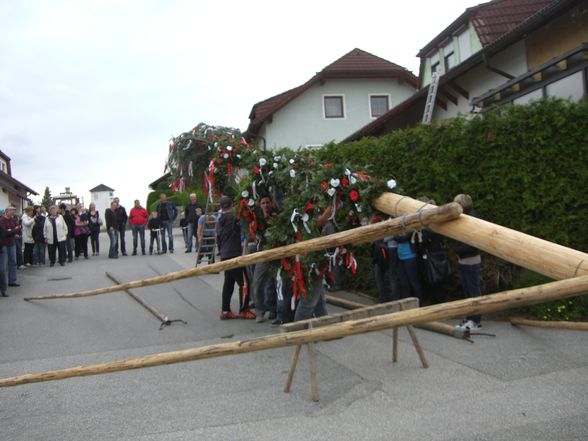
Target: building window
<point>450,60</point>
<point>3,166</point>
<point>435,65</point>
<point>333,106</point>
<point>379,104</point>
<point>465,45</point>
<point>535,95</point>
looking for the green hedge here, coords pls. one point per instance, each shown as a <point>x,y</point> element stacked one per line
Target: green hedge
<point>181,199</point>
<point>526,167</point>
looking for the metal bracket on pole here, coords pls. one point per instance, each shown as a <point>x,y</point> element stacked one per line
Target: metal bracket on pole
<point>165,321</point>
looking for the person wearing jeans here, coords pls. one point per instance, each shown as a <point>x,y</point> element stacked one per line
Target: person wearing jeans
<point>469,260</point>
<point>9,223</point>
<point>191,221</point>
<point>167,212</point>
<point>138,218</point>
<point>410,281</point>
<point>112,229</point>
<point>313,304</point>
<point>121,221</point>
<point>39,238</point>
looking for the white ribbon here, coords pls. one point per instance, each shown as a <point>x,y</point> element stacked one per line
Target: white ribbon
<point>190,169</point>
<point>293,221</point>
<point>305,219</point>
<point>188,145</point>
<point>279,285</point>
<point>254,188</point>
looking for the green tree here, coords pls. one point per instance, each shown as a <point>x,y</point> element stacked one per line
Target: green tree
<point>47,200</point>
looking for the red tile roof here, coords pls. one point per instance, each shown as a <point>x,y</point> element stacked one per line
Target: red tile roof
<point>355,64</point>
<point>494,19</point>
<point>491,20</point>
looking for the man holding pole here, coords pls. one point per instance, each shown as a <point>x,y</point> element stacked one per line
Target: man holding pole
<point>228,233</point>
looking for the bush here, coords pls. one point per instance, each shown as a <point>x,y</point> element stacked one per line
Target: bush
<point>526,167</point>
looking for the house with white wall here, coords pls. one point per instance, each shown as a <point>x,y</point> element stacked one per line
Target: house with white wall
<point>499,52</point>
<point>12,191</point>
<point>101,196</point>
<point>347,94</point>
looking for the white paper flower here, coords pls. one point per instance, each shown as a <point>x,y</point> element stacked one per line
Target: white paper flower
<point>244,193</point>
<point>275,165</point>
<point>229,148</point>
<point>262,162</point>
<point>391,184</point>
<point>238,155</point>
<point>277,158</point>
<point>226,156</point>
<point>292,173</point>
<point>352,179</point>
<point>305,217</point>
<point>251,202</point>
<point>358,208</point>
<point>216,144</point>
<point>335,182</point>
<point>292,161</point>
<point>331,191</point>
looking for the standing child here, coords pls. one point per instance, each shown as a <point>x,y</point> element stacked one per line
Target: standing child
<point>154,226</point>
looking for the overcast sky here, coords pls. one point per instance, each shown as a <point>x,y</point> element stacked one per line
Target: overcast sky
<point>91,91</point>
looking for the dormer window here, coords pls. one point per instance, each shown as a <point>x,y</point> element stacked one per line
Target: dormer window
<point>435,64</point>
<point>450,60</point>
<point>3,166</point>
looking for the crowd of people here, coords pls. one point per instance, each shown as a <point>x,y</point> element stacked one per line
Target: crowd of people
<point>412,264</point>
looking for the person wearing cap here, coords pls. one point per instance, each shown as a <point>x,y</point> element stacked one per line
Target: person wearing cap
<point>167,212</point>
<point>228,232</point>
<point>9,223</point>
<point>55,232</point>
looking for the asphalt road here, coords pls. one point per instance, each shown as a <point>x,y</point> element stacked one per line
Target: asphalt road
<point>524,384</point>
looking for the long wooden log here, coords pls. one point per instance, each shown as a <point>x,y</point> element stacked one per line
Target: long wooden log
<point>574,326</point>
<point>439,327</point>
<point>478,305</point>
<point>541,256</point>
<point>368,233</point>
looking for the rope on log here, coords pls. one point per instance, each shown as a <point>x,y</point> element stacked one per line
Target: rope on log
<point>478,305</point>
<point>541,256</point>
<point>368,233</point>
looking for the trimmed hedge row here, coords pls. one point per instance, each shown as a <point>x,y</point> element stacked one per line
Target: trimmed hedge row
<point>526,167</point>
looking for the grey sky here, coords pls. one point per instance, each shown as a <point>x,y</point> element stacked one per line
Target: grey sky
<point>91,91</point>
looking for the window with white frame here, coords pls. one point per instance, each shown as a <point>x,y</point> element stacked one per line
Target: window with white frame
<point>3,166</point>
<point>333,106</point>
<point>379,104</point>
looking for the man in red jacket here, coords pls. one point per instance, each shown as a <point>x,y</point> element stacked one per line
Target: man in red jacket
<point>138,218</point>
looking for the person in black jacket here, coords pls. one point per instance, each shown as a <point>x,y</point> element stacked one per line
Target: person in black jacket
<point>228,233</point>
<point>39,238</point>
<point>469,264</point>
<point>155,228</point>
<point>112,229</point>
<point>121,220</point>
<point>191,222</point>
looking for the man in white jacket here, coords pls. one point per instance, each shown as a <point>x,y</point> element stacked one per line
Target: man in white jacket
<point>55,232</point>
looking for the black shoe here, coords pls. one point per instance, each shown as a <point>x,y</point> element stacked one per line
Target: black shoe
<point>272,315</point>
<point>124,254</point>
<point>188,251</point>
<point>143,252</point>
<point>4,294</point>
<point>62,264</point>
<point>277,322</point>
<point>13,284</point>
<point>171,251</point>
<point>134,253</point>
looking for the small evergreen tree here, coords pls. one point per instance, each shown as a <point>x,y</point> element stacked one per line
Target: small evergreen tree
<point>47,200</point>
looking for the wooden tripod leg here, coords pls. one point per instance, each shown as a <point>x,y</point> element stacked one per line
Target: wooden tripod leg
<point>417,346</point>
<point>415,342</point>
<point>292,369</point>
<point>395,345</point>
<point>312,361</point>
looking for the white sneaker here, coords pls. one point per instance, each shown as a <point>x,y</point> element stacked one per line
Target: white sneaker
<point>470,325</point>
